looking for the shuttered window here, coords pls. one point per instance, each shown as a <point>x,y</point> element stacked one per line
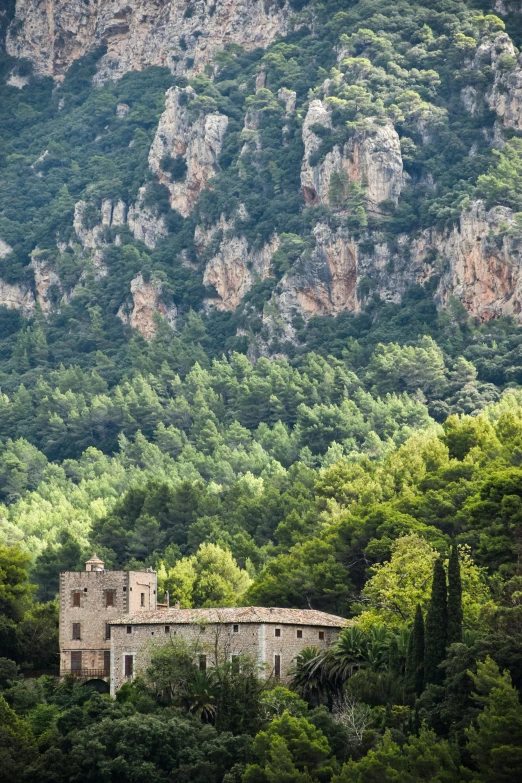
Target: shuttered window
<point>277,667</point>
<point>109,598</point>
<point>76,631</point>
<point>107,631</point>
<point>76,661</point>
<point>129,665</point>
<point>107,660</point>
<point>76,598</point>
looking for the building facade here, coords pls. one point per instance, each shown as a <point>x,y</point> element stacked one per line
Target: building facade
<point>111,623</point>
<point>270,637</point>
<point>89,600</point>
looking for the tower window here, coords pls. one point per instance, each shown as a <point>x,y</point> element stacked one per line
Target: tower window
<point>277,632</point>
<point>76,598</point>
<point>76,631</point>
<point>129,665</point>
<point>107,660</point>
<point>76,661</point>
<point>299,634</point>
<point>277,667</point>
<point>107,631</point>
<point>109,598</point>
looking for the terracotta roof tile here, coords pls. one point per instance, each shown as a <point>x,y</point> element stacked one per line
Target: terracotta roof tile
<point>242,614</point>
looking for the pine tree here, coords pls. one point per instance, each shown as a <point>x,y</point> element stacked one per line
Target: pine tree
<point>436,626</point>
<point>415,655</point>
<point>454,598</point>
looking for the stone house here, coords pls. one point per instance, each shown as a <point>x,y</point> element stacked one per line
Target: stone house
<point>111,622</point>
<point>270,637</point>
<point>89,600</point>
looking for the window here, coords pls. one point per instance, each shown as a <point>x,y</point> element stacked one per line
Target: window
<point>277,633</point>
<point>277,667</point>
<point>129,665</point>
<point>142,599</point>
<point>321,636</point>
<point>299,634</point>
<point>107,660</point>
<point>76,631</point>
<point>84,589</point>
<point>129,629</point>
<point>109,598</point>
<point>235,629</point>
<point>107,631</point>
<point>167,629</point>
<point>76,661</point>
<point>76,598</point>
<point>124,588</point>
<point>202,663</point>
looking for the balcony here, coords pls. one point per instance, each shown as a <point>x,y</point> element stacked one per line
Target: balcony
<point>90,674</point>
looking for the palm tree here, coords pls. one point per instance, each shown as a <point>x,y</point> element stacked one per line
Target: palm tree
<point>308,674</point>
<point>201,696</point>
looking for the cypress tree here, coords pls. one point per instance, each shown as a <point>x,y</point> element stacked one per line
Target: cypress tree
<point>436,626</point>
<point>415,655</point>
<point>454,598</point>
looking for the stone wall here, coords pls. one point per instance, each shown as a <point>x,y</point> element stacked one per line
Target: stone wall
<point>93,614</point>
<point>216,641</point>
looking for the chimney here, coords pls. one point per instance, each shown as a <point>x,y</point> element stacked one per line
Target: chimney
<point>166,599</point>
<point>176,605</point>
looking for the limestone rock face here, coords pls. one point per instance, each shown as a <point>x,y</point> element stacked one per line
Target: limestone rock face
<point>235,268</point>
<point>372,157</point>
<point>479,262</point>
<point>144,223</point>
<point>193,142</point>
<point>5,249</point>
<point>54,33</point>
<point>505,97</point>
<point>17,297</point>
<point>146,302</point>
<point>45,278</point>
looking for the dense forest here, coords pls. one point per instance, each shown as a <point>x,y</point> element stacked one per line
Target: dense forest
<point>366,463</point>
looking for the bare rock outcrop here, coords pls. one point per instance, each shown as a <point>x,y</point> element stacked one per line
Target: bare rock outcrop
<point>16,296</point>
<point>182,35</point>
<point>372,157</point>
<point>479,261</point>
<point>144,223</point>
<point>146,302</point>
<point>46,281</point>
<point>505,95</point>
<point>235,268</point>
<point>193,143</point>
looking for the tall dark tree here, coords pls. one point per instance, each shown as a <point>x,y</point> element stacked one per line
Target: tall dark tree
<point>454,598</point>
<point>436,626</point>
<point>415,655</point>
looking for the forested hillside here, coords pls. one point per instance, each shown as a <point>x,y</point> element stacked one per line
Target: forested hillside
<point>260,330</point>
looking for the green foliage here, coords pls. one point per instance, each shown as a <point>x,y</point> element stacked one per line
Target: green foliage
<point>436,635</point>
<point>455,613</point>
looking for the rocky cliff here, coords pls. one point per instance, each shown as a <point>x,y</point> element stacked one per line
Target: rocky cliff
<point>372,158</point>
<point>190,141</point>
<point>146,302</point>
<point>179,34</point>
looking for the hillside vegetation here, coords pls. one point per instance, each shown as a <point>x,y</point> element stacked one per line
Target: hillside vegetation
<point>366,462</point>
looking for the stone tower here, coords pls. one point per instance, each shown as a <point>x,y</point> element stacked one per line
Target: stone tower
<point>89,600</point>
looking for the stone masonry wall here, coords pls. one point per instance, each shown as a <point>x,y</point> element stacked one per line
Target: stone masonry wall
<point>217,642</point>
<point>93,614</point>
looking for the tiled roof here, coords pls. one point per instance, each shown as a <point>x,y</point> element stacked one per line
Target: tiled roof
<point>242,614</point>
